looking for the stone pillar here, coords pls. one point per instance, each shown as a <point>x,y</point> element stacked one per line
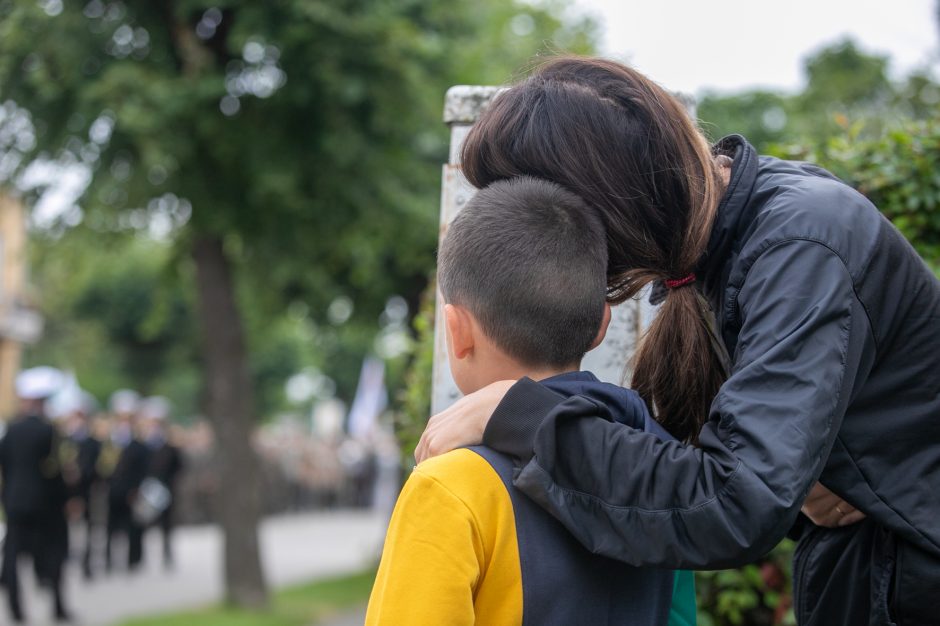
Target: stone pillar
<point>611,360</point>
<point>462,106</point>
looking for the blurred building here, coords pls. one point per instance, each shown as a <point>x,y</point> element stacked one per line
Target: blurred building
<point>19,324</point>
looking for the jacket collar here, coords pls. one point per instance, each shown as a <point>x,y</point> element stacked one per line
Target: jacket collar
<point>616,403</point>
<point>734,212</point>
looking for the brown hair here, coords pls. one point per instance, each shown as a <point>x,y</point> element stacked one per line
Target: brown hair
<point>628,148</point>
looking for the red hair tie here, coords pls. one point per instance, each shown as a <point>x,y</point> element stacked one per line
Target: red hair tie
<point>680,282</point>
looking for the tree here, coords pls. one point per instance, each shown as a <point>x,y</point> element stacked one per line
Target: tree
<point>843,75</point>
<point>290,149</point>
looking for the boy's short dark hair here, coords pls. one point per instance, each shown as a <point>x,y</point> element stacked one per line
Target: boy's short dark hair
<point>528,259</point>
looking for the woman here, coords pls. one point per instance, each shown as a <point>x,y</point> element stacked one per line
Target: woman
<point>798,340</point>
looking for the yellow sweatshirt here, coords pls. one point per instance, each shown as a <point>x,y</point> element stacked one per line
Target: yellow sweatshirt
<point>451,555</point>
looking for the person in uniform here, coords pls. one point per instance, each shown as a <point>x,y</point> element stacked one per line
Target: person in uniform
<point>132,465</point>
<point>81,457</point>
<point>166,463</point>
<point>34,493</point>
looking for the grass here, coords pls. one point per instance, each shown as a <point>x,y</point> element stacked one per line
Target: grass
<point>302,605</point>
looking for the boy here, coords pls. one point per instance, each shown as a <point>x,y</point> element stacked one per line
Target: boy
<point>523,276</point>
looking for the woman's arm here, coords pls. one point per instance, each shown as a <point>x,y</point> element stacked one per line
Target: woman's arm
<point>462,423</point>
<point>803,347</point>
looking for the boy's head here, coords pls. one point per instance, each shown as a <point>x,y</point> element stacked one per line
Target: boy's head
<point>523,274</point>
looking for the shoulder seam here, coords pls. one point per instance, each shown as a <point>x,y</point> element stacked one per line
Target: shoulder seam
<point>770,245</point>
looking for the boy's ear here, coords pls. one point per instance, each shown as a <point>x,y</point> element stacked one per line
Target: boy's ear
<point>459,330</point>
<point>602,331</point>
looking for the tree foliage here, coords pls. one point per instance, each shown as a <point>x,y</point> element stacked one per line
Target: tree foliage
<point>844,85</point>
<point>306,134</point>
<point>289,151</point>
<point>126,324</point>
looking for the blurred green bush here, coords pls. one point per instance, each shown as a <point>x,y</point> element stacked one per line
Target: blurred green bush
<point>754,595</point>
<point>414,397</point>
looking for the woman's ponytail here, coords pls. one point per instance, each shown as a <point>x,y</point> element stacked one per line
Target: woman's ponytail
<point>677,369</point>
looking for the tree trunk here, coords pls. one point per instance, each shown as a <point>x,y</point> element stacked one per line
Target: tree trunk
<point>230,407</point>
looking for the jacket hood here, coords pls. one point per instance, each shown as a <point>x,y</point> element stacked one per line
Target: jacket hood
<point>624,405</point>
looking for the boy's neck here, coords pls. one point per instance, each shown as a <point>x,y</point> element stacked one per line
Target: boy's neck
<point>508,369</point>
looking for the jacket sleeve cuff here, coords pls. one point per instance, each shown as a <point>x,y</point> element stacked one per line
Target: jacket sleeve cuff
<point>511,430</point>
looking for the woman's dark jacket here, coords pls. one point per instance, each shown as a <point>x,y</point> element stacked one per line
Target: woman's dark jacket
<point>832,323</point>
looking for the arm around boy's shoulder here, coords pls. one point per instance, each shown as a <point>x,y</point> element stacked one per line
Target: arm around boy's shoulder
<point>799,353</point>
<point>445,543</point>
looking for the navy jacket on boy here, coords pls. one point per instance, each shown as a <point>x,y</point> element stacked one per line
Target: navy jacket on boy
<point>598,590</point>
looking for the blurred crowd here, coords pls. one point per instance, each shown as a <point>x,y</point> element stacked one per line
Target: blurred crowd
<point>70,472</point>
<point>88,482</point>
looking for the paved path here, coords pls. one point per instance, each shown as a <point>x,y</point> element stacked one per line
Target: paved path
<point>295,549</point>
<point>355,617</point>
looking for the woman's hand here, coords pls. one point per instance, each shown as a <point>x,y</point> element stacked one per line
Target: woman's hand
<point>825,508</point>
<point>461,424</point>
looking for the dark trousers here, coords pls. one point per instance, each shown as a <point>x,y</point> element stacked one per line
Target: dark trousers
<point>46,541</point>
<point>121,521</point>
<point>863,574</point>
<point>166,524</point>
<point>90,524</point>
